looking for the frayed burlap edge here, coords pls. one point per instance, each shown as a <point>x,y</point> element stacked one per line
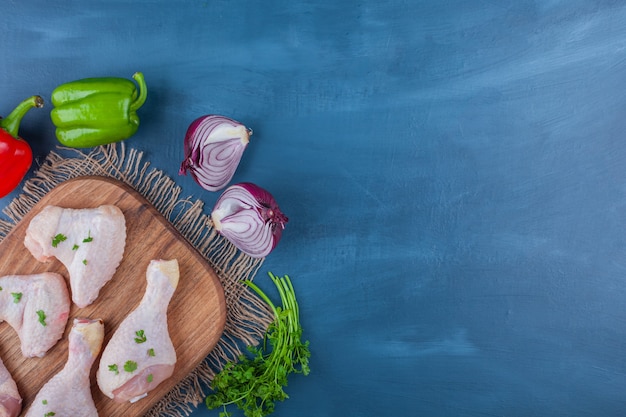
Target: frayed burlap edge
<point>247,317</point>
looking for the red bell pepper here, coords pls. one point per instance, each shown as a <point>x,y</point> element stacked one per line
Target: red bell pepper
<point>16,155</point>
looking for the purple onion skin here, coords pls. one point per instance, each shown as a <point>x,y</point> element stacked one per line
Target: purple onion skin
<point>213,149</point>
<point>249,217</point>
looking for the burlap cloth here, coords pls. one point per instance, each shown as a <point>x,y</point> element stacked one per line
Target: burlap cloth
<point>247,317</point>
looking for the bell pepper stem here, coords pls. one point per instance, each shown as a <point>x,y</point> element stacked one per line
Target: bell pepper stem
<point>143,92</point>
<point>11,123</point>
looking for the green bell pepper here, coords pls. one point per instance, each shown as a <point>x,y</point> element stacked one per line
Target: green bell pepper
<point>97,111</point>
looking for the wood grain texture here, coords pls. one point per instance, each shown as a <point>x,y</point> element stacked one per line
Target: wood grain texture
<point>196,314</point>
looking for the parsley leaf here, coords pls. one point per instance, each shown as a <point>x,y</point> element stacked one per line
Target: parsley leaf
<point>151,352</point>
<point>85,261</point>
<point>50,414</point>
<point>42,317</point>
<point>130,366</point>
<point>58,239</point>
<point>44,402</point>
<point>75,247</point>
<point>88,238</point>
<point>113,368</point>
<point>256,381</point>
<point>17,296</point>
<point>149,378</point>
<point>141,337</point>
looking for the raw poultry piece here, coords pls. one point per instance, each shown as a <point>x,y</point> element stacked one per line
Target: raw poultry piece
<point>89,242</point>
<point>10,399</point>
<point>68,393</point>
<point>37,307</point>
<point>140,354</point>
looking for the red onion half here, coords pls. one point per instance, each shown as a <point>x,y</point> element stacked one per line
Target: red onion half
<point>214,146</point>
<point>249,217</point>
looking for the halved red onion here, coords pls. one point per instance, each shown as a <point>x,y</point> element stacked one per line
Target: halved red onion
<point>249,217</point>
<point>214,146</point>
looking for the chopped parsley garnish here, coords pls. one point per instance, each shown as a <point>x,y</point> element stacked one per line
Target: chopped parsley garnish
<point>130,366</point>
<point>149,378</point>
<point>75,247</point>
<point>17,296</point>
<point>151,352</point>
<point>50,414</point>
<point>58,239</point>
<point>88,238</point>
<point>0,288</point>
<point>42,317</point>
<point>44,402</point>
<point>141,337</point>
<point>113,368</point>
<point>85,261</point>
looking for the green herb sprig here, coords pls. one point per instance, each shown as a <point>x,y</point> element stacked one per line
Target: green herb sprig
<point>88,238</point>
<point>256,382</point>
<point>41,316</point>
<point>130,366</point>
<point>58,239</point>
<point>141,336</point>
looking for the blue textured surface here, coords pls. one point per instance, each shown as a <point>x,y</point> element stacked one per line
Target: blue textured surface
<point>453,172</point>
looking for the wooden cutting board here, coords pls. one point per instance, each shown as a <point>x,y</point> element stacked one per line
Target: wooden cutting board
<point>196,314</point>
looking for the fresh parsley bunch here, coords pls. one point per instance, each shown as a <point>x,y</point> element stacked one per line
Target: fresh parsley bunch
<point>255,382</point>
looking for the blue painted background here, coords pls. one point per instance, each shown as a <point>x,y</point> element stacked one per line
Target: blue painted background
<point>453,172</point>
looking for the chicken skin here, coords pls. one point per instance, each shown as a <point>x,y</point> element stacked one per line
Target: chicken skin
<point>140,354</point>
<point>89,242</point>
<point>10,398</point>
<point>68,393</point>
<point>37,307</point>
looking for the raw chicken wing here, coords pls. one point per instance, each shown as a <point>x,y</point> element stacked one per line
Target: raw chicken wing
<point>37,307</point>
<point>89,242</point>
<point>68,393</point>
<point>10,399</point>
<point>140,354</point>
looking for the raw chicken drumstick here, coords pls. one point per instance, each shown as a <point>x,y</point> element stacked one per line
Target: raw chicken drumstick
<point>10,399</point>
<point>89,242</point>
<point>68,393</point>
<point>140,354</point>
<point>37,307</point>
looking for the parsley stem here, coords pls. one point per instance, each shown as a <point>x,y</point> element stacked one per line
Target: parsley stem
<point>262,295</point>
